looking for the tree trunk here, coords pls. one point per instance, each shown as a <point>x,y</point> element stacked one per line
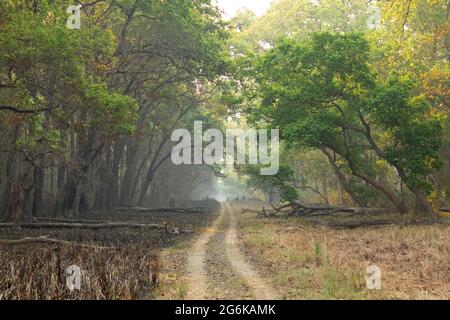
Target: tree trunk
<point>130,172</point>
<point>38,188</point>
<point>343,181</point>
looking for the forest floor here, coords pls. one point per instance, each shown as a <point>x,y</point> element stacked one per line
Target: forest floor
<point>118,263</point>
<point>230,254</point>
<point>215,267</point>
<point>241,256</point>
<point>304,262</point>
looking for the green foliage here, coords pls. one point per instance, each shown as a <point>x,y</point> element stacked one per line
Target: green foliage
<point>114,112</point>
<point>280,184</point>
<point>323,94</point>
<point>301,82</point>
<point>298,18</point>
<point>415,134</point>
<point>138,69</point>
<point>38,48</point>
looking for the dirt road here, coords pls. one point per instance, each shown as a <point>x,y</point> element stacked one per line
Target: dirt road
<point>200,282</point>
<point>196,269</point>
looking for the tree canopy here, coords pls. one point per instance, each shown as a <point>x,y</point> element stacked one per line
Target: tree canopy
<point>359,91</point>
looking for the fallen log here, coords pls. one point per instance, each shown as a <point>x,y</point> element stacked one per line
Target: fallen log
<point>63,220</point>
<point>321,210</point>
<point>352,212</point>
<point>98,226</point>
<point>47,240</point>
<point>276,210</point>
<point>298,209</point>
<point>373,212</point>
<point>360,224</point>
<point>444,209</point>
<point>247,210</point>
<point>285,206</point>
<point>60,225</point>
<point>169,210</point>
<point>329,212</point>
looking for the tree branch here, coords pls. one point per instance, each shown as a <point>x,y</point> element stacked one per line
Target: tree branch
<point>24,111</point>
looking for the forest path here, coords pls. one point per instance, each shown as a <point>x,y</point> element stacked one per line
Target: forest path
<point>261,290</point>
<point>196,269</point>
<point>234,277</point>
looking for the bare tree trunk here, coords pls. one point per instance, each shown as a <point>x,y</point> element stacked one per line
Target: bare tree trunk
<point>113,193</point>
<point>417,192</point>
<point>325,191</point>
<point>38,188</point>
<point>343,181</point>
<point>130,173</point>
<point>28,193</point>
<point>154,166</point>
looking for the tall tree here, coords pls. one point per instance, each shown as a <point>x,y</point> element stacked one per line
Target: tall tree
<point>323,94</point>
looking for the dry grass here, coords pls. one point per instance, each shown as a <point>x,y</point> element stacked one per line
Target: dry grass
<point>173,279</point>
<point>38,272</point>
<point>173,283</point>
<point>135,269</point>
<point>307,263</point>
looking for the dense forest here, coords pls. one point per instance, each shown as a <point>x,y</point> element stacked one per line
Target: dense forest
<point>358,89</point>
<point>86,115</point>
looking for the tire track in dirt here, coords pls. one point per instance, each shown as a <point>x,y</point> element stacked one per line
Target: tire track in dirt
<point>197,287</point>
<point>224,283</point>
<point>261,290</point>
